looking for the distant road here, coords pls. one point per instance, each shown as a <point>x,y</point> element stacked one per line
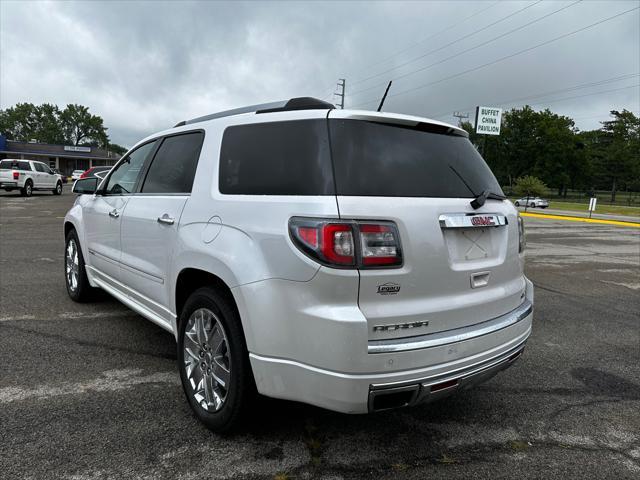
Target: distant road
<point>585,214</point>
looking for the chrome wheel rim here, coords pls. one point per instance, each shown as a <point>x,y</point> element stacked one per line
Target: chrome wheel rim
<point>207,360</point>
<point>59,188</point>
<point>72,265</point>
<point>28,189</point>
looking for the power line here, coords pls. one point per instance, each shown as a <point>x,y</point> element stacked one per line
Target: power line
<point>356,82</point>
<point>506,57</point>
<point>574,97</point>
<point>476,46</point>
<point>553,92</point>
<point>393,56</point>
<point>586,95</point>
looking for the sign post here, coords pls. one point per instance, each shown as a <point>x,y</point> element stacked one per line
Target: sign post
<point>592,205</point>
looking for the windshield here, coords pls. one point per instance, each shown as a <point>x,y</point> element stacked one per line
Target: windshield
<point>375,159</point>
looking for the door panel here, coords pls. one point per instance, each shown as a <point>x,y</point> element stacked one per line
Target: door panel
<point>149,231</point>
<point>102,226</point>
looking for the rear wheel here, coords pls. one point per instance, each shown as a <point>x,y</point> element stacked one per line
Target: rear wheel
<point>75,274</point>
<point>58,189</point>
<point>517,204</point>
<point>27,190</point>
<point>213,360</point>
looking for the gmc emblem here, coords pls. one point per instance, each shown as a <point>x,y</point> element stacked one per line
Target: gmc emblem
<point>483,221</point>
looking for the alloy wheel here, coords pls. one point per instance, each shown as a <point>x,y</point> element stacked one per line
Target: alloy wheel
<point>207,359</point>
<point>72,265</point>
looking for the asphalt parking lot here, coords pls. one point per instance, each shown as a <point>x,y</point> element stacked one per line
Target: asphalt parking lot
<point>92,391</point>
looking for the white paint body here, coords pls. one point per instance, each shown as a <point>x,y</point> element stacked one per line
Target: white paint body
<point>308,327</point>
<point>40,180</point>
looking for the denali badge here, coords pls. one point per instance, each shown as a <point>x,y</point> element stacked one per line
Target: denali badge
<point>483,221</point>
<point>389,288</point>
<point>399,326</point>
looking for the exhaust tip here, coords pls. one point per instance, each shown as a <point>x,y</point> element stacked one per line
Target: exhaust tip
<point>392,398</point>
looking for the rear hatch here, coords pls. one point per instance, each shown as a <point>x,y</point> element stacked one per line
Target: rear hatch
<point>461,265</point>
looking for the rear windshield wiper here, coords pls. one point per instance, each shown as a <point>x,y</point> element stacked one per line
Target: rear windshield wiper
<point>480,199</point>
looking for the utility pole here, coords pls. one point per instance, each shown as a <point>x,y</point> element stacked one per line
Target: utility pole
<point>460,116</point>
<point>341,84</point>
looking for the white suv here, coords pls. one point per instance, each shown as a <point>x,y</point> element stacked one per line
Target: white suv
<point>353,260</point>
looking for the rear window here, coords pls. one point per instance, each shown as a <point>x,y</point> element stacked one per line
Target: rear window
<point>374,159</point>
<point>14,165</point>
<point>276,158</point>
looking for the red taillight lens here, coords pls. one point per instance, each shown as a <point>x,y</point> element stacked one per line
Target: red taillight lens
<point>16,175</point>
<point>379,245</point>
<point>337,244</point>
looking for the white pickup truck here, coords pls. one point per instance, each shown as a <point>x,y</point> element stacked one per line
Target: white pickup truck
<point>27,176</point>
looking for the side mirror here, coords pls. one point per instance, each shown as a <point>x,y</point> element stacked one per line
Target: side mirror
<point>85,186</point>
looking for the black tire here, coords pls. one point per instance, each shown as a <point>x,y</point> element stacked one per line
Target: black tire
<point>517,204</point>
<point>27,190</point>
<point>83,292</point>
<point>58,189</point>
<point>241,387</point>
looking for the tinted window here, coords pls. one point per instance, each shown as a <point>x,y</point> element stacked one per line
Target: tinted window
<point>279,158</point>
<point>174,165</point>
<point>376,159</point>
<point>15,165</point>
<point>124,177</point>
<point>39,167</point>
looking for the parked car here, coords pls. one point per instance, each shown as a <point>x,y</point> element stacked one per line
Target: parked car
<point>64,178</point>
<point>532,202</point>
<point>76,174</point>
<point>94,171</point>
<point>380,269</point>
<point>27,176</point>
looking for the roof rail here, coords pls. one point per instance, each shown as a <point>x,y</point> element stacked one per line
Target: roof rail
<point>299,103</point>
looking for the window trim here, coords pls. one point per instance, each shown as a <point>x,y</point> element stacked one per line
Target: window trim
<point>149,161</point>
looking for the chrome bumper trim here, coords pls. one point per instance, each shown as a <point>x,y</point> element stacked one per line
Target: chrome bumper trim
<point>464,378</point>
<point>451,336</point>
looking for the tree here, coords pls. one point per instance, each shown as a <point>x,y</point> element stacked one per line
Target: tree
<point>529,186</point>
<point>81,127</point>
<point>618,154</point>
<point>46,123</point>
<point>26,122</point>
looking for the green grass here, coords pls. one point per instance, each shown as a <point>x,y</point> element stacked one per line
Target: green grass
<point>584,207</point>
<point>600,208</point>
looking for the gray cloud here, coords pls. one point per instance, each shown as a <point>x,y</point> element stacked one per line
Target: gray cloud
<point>143,66</point>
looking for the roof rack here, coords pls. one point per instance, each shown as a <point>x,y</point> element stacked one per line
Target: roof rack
<point>299,103</point>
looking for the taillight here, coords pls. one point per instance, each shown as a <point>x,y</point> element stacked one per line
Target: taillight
<point>347,244</point>
<point>379,244</point>
<point>16,175</point>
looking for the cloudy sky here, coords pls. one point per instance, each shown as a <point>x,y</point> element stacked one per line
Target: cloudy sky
<point>143,66</point>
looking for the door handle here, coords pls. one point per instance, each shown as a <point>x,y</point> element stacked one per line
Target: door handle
<point>114,213</point>
<point>166,219</point>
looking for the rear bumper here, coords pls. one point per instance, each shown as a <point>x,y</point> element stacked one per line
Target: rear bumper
<point>8,184</point>
<point>349,393</point>
<point>308,342</point>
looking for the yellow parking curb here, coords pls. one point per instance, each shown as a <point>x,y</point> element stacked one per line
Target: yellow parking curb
<point>619,223</point>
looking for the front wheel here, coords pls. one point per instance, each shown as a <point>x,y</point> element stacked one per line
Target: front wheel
<point>58,189</point>
<point>517,204</point>
<point>75,274</point>
<point>213,360</point>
